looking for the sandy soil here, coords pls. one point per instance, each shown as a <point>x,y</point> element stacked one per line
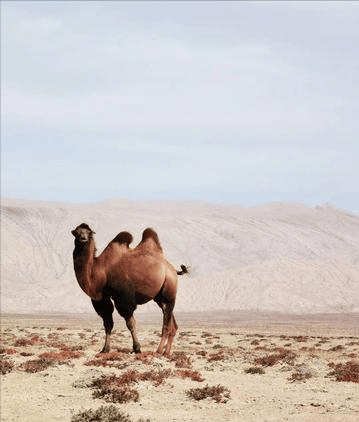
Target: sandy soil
<point>218,349</point>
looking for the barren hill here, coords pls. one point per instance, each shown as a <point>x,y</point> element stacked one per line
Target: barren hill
<point>278,257</point>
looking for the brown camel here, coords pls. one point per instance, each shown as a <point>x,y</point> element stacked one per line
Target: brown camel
<point>129,277</point>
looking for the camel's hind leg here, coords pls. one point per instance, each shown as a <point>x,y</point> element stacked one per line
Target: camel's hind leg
<point>166,302</point>
<point>104,308</point>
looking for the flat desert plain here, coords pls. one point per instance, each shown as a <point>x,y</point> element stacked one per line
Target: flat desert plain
<point>225,366</point>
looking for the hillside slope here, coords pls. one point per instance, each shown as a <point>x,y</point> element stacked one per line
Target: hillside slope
<point>277,257</point>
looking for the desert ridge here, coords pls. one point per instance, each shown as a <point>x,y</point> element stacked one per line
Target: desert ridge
<point>280,257</point>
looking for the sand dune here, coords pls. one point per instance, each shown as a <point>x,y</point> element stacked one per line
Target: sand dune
<point>278,257</point>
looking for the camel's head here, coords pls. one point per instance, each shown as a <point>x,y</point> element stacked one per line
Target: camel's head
<point>83,233</point>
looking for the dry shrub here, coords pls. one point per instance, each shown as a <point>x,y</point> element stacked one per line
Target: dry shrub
<point>145,357</point>
<point>103,414</point>
<point>37,339</point>
<point>187,373</point>
<point>62,356</point>
<point>300,339</point>
<point>125,350</point>
<point>106,359</point>
<point>23,342</point>
<point>347,372</point>
<point>157,378</point>
<point>60,346</point>
<point>115,394</point>
<point>299,376</point>
<point>181,360</point>
<point>217,393</point>
<point>7,351</point>
<point>36,365</point>
<point>215,357</point>
<point>336,348</point>
<point>113,388</point>
<point>284,355</point>
<point>255,370</point>
<point>6,366</point>
<point>26,354</point>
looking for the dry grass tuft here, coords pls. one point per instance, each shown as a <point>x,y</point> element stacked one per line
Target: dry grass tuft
<point>146,357</point>
<point>7,351</point>
<point>187,373</point>
<point>282,354</point>
<point>115,389</point>
<point>20,342</point>
<point>36,365</point>
<point>181,360</point>
<point>215,357</point>
<point>255,370</point>
<point>106,359</point>
<point>103,414</point>
<point>62,356</point>
<point>347,372</point>
<point>217,393</point>
<point>299,376</point>
<point>6,366</point>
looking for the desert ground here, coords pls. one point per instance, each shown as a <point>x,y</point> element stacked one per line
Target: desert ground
<point>286,348</point>
<point>225,366</point>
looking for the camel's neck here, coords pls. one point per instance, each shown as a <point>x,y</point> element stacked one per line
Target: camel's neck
<point>84,256</point>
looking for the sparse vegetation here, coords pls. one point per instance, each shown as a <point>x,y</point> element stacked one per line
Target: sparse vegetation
<point>282,355</point>
<point>103,414</point>
<point>181,360</point>
<point>255,370</point>
<point>187,373</point>
<point>9,351</point>
<point>348,372</point>
<point>36,365</point>
<point>299,376</point>
<point>106,359</point>
<point>64,355</point>
<point>6,366</point>
<point>217,393</point>
<point>115,389</point>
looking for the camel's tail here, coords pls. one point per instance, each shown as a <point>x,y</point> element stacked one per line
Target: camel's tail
<point>184,270</point>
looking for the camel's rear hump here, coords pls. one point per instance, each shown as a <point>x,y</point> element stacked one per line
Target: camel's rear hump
<point>150,238</point>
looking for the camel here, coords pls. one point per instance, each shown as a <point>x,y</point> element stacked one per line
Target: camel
<point>128,277</point>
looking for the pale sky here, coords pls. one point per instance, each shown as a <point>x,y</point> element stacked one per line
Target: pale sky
<point>230,102</point>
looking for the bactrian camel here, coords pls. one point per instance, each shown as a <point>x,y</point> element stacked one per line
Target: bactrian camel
<point>127,277</point>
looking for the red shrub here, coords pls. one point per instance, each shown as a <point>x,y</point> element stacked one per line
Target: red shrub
<point>187,373</point>
<point>282,355</point>
<point>217,393</point>
<point>60,356</point>
<point>348,372</point>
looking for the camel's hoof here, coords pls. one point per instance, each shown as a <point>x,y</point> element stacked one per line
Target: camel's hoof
<point>105,350</point>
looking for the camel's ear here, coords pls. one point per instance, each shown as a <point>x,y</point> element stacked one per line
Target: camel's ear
<point>73,232</point>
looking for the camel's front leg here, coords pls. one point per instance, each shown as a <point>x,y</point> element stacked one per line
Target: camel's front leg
<point>105,308</point>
